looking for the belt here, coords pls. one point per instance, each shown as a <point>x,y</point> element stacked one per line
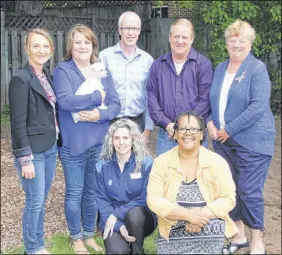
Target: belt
<point>130,117</point>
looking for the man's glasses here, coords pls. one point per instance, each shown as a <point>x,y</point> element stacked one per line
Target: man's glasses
<point>133,29</point>
<point>192,130</point>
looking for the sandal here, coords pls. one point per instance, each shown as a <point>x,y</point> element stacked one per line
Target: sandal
<point>78,247</point>
<point>231,248</point>
<point>92,244</point>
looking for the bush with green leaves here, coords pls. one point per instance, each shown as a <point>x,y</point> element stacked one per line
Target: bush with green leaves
<point>211,18</point>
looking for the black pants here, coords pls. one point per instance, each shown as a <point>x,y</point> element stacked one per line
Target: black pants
<point>140,121</point>
<point>139,223</point>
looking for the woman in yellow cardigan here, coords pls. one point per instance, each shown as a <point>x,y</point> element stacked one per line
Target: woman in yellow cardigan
<point>191,190</point>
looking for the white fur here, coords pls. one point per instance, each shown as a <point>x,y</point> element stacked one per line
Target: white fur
<point>92,82</point>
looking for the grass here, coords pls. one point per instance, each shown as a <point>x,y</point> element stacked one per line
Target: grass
<point>5,117</point>
<point>60,244</point>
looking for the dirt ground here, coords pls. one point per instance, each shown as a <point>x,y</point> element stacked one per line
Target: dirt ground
<point>12,199</point>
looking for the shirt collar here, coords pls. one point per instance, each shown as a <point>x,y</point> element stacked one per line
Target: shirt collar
<point>174,161</point>
<point>192,55</point>
<point>72,64</point>
<point>117,49</point>
<point>131,159</point>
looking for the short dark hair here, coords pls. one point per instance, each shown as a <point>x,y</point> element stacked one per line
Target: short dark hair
<point>199,118</point>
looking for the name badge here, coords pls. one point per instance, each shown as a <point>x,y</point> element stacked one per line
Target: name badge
<point>136,175</point>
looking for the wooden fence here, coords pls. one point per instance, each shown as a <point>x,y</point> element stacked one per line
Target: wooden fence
<point>13,56</point>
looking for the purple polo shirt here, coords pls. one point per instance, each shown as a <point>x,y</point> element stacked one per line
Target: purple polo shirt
<point>170,94</point>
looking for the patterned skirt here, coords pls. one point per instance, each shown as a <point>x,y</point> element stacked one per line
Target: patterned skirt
<point>209,240</point>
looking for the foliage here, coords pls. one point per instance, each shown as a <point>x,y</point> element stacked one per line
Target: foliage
<point>5,114</point>
<point>59,244</point>
<point>213,17</point>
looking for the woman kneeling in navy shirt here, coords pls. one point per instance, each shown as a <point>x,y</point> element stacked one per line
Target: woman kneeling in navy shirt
<point>121,189</point>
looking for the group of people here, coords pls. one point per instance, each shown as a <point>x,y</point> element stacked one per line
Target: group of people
<point>195,196</point>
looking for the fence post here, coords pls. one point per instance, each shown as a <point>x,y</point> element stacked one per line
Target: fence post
<point>93,23</point>
<point>3,67</point>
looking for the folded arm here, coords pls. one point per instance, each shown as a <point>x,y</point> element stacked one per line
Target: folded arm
<point>67,99</point>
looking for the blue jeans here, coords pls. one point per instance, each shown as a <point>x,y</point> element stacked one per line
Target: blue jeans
<point>36,192</point>
<point>80,203</point>
<point>165,144</point>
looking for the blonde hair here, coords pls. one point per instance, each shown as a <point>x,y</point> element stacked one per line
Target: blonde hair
<point>42,32</point>
<point>184,22</point>
<point>139,147</point>
<point>89,34</point>
<point>235,28</point>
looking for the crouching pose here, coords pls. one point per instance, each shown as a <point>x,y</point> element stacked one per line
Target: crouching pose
<point>121,189</point>
<point>191,190</point>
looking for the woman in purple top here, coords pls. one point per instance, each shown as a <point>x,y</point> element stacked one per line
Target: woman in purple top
<point>82,141</point>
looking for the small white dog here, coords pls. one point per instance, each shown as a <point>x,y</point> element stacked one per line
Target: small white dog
<point>92,82</point>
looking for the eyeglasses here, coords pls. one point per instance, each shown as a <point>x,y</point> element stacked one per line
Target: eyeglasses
<point>192,130</point>
<point>127,29</point>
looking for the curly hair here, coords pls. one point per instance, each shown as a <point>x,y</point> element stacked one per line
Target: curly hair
<point>200,120</point>
<point>139,147</point>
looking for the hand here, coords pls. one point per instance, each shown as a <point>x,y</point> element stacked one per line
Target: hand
<point>146,135</point>
<point>212,130</point>
<point>191,227</point>
<point>123,231</point>
<point>28,172</point>
<point>109,226</point>
<point>207,212</point>
<point>196,217</point>
<point>222,135</point>
<point>90,116</point>
<point>103,94</point>
<point>170,130</point>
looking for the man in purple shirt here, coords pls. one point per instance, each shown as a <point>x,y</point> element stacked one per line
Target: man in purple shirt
<point>179,81</point>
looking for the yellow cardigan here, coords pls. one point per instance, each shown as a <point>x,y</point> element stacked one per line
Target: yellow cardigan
<point>213,177</point>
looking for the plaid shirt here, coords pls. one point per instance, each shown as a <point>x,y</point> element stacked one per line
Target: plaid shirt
<point>130,77</point>
<point>27,160</point>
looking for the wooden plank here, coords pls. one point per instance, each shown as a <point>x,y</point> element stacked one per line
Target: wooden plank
<point>93,22</point>
<point>6,63</point>
<point>2,59</point>
<point>3,67</point>
<point>15,55</point>
<point>103,40</point>
<point>24,56</point>
<point>110,39</point>
<point>60,46</point>
<point>148,41</point>
<point>116,37</point>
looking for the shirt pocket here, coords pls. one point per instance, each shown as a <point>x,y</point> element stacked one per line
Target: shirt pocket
<point>212,183</point>
<point>135,186</point>
<point>173,182</point>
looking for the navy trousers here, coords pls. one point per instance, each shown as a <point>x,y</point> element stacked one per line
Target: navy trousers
<point>249,171</point>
